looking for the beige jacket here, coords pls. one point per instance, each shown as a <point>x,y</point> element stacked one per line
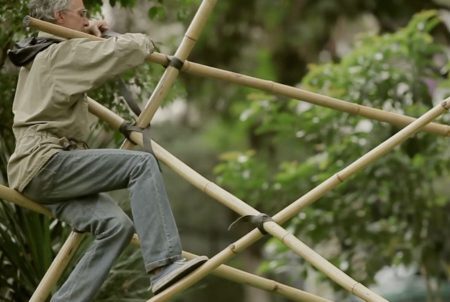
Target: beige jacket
<point>50,107</point>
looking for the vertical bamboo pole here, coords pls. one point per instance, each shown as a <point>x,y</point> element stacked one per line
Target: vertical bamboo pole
<point>170,74</point>
<point>57,267</point>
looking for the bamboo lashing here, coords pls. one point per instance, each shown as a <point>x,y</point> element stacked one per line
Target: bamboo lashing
<point>265,85</point>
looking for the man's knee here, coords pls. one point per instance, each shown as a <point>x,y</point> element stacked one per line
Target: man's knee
<point>121,227</point>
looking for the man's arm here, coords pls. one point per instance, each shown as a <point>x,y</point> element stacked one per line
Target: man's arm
<point>79,65</point>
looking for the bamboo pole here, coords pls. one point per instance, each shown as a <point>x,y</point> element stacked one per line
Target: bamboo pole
<point>269,86</point>
<point>57,267</point>
<point>171,73</point>
<point>17,198</point>
<point>203,184</point>
<point>311,196</point>
<point>239,276</point>
<point>322,264</point>
<point>66,253</point>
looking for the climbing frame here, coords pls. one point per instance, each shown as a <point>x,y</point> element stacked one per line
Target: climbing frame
<point>271,225</point>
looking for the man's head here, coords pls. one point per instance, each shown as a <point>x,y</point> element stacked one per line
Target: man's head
<point>67,13</point>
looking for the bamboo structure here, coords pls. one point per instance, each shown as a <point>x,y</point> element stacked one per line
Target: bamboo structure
<point>273,227</point>
<point>265,85</point>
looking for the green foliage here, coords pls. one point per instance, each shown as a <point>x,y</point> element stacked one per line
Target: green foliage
<point>397,208</point>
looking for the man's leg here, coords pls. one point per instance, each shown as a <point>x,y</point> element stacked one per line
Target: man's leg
<point>112,229</point>
<point>73,174</point>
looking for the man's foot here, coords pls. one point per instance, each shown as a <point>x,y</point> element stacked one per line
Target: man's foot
<point>173,272</point>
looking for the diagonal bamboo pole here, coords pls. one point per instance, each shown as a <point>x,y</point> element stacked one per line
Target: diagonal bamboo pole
<point>171,73</point>
<point>307,199</point>
<point>59,264</point>
<point>70,246</point>
<point>269,86</point>
<point>225,198</point>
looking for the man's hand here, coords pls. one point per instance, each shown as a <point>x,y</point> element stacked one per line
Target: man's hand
<point>96,27</point>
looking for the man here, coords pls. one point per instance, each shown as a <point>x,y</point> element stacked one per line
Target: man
<point>52,165</point>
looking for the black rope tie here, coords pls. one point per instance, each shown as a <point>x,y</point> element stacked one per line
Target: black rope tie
<point>175,62</point>
<point>126,128</point>
<point>256,220</point>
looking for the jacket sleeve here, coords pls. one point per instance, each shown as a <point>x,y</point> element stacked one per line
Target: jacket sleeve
<point>78,65</point>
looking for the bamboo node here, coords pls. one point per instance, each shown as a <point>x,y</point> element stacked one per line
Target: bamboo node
<point>341,180</point>
<point>354,286</point>
<point>232,248</point>
<point>190,38</point>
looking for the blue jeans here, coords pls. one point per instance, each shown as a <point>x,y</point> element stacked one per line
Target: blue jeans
<point>71,186</point>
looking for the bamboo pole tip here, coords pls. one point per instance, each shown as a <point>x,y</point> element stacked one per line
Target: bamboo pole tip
<point>26,21</point>
<point>446,103</point>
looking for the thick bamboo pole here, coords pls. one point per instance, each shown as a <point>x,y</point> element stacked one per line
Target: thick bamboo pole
<point>66,253</point>
<point>269,86</point>
<point>203,184</point>
<point>312,196</point>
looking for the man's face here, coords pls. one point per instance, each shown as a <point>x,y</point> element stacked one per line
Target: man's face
<point>74,17</point>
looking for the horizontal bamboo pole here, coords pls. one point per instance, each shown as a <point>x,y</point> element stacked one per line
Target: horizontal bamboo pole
<point>67,251</point>
<point>269,86</point>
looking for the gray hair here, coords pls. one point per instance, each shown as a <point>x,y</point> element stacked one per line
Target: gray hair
<point>44,9</point>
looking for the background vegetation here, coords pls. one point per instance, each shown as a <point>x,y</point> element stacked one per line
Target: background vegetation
<point>269,150</point>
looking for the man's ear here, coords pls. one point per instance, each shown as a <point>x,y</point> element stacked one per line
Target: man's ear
<point>59,16</point>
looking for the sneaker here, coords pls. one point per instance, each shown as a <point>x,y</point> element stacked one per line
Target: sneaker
<point>173,272</point>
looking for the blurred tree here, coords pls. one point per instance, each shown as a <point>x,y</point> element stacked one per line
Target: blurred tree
<point>396,209</point>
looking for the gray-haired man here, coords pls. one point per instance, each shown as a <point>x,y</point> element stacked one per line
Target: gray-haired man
<point>51,163</point>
